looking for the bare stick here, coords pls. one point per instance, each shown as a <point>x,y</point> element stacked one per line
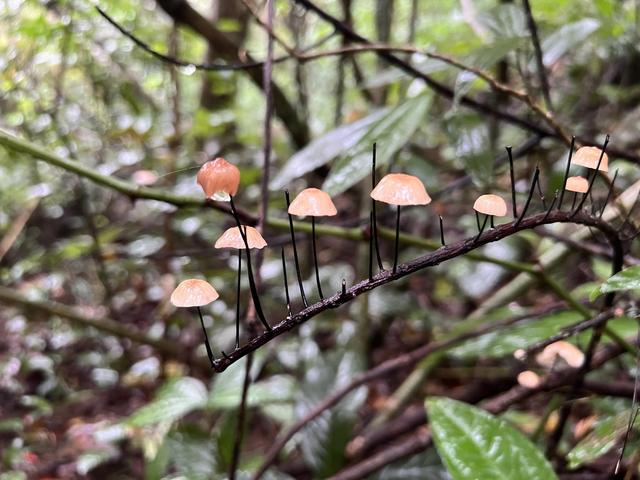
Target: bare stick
<point>513,181</point>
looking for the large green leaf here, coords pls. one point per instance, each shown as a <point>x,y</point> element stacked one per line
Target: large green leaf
<point>627,279</point>
<point>603,438</point>
<point>391,132</point>
<point>324,149</point>
<point>174,400</point>
<point>474,444</point>
<point>275,389</point>
<point>506,340</point>
<point>566,38</point>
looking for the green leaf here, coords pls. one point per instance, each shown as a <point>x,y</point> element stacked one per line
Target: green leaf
<point>275,389</point>
<point>174,400</point>
<point>391,132</point>
<point>566,38</point>
<point>324,149</point>
<point>507,340</point>
<point>603,438</point>
<point>474,444</point>
<point>627,279</point>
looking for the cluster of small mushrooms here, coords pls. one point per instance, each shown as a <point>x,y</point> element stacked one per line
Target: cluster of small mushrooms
<point>220,180</point>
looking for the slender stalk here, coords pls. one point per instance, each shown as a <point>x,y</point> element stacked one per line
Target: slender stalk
<point>573,202</point>
<point>531,189</point>
<point>315,256</point>
<point>477,219</point>
<point>238,300</point>
<point>541,193</point>
<point>286,283</point>
<point>513,181</point>
<point>566,172</point>
<point>441,231</point>
<point>553,202</point>
<point>373,210</point>
<point>491,221</point>
<point>371,245</point>
<point>397,243</point>
<point>295,253</point>
<point>609,193</point>
<point>206,338</point>
<point>481,229</point>
<point>252,283</point>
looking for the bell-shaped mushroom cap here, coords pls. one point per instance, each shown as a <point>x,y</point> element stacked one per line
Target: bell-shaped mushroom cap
<point>231,238</point>
<point>490,204</point>
<point>565,350</point>
<point>219,179</point>
<point>193,293</point>
<point>577,184</point>
<point>589,156</point>
<point>401,189</point>
<point>313,202</point>
<point>528,379</point>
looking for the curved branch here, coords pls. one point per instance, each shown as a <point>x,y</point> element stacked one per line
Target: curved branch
<point>431,259</point>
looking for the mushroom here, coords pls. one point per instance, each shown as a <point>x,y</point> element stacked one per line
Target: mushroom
<point>491,206</point>
<point>219,179</point>
<point>400,189</point>
<point>528,379</point>
<point>565,350</point>
<point>592,158</point>
<point>195,293</point>
<point>248,238</point>
<point>576,185</point>
<point>314,203</point>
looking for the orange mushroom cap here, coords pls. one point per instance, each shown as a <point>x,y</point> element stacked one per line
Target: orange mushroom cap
<point>401,189</point>
<point>231,238</point>
<point>313,202</point>
<point>577,184</point>
<point>589,156</point>
<point>528,379</point>
<point>491,204</point>
<point>219,179</point>
<point>193,293</point>
<point>567,351</point>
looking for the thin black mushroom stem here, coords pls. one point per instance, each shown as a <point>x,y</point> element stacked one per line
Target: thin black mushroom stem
<point>609,193</point>
<point>374,220</point>
<point>481,227</point>
<point>252,283</point>
<point>315,256</point>
<point>594,176</point>
<point>566,172</point>
<point>207,345</point>
<point>441,221</point>
<point>238,300</point>
<point>295,252</point>
<point>536,175</point>
<point>286,283</point>
<point>513,182</point>
<point>396,247</point>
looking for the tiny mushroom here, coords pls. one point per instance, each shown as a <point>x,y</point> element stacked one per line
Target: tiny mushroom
<point>219,179</point>
<point>490,205</point>
<point>577,184</point>
<point>400,189</point>
<point>314,203</point>
<point>233,238</point>
<point>590,157</point>
<point>565,350</point>
<point>195,293</point>
<point>528,379</point>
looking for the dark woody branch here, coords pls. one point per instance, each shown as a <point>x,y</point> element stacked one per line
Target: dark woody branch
<point>429,260</point>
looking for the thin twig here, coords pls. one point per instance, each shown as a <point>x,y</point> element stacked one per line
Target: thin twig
<point>542,74</point>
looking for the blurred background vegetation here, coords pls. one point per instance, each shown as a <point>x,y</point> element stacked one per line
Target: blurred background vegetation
<point>119,386</point>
